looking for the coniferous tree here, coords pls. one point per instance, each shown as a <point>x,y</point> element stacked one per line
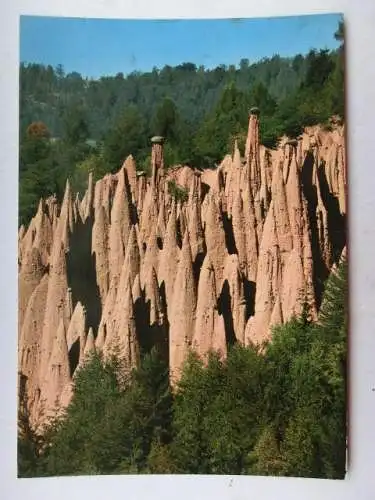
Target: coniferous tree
<point>127,136</point>
<point>113,420</point>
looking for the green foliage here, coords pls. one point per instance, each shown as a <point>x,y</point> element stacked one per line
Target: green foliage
<point>177,192</point>
<point>113,420</point>
<point>269,131</point>
<point>235,413</point>
<point>95,164</point>
<point>275,410</point>
<point>196,389</point>
<point>29,444</point>
<point>229,118</point>
<point>27,457</point>
<point>37,174</point>
<point>261,98</point>
<point>171,155</point>
<point>160,460</point>
<point>145,166</point>
<point>265,459</point>
<point>319,67</point>
<point>333,312</point>
<point>307,364</point>
<point>75,125</point>
<point>45,164</point>
<point>280,412</point>
<point>128,135</point>
<point>300,450</point>
<point>319,96</point>
<point>71,450</point>
<point>165,119</point>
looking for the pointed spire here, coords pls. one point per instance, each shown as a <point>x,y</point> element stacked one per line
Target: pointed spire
<point>142,188</point>
<point>280,206</point>
<point>252,150</point>
<point>182,314</point>
<point>106,322</point>
<point>29,344</point>
<point>209,330</point>
<point>79,208</point>
<point>89,205</point>
<point>68,309</point>
<point>251,234</point>
<point>51,210</point>
<point>157,161</point>
<point>55,303</point>
<point>277,315</point>
<point>77,328</point>
<point>152,296</point>
<point>151,257</point>
<point>65,221</point>
<point>195,228</point>
<point>100,250</point>
<point>264,192</point>
<point>90,343</point>
<point>59,356</point>
<point>215,237</point>
<point>131,173</point>
<point>268,280</point>
<point>122,338</point>
<point>132,259</point>
<point>58,374</point>
<point>21,232</point>
<point>27,240</point>
<point>160,225</point>
<point>119,227</point>
<point>30,274</point>
<point>43,233</point>
<point>294,288</point>
<point>238,224</point>
<point>149,217</point>
<point>67,206</point>
<point>342,186</point>
<point>232,274</point>
<point>233,181</point>
<point>67,196</point>
<point>136,290</point>
<point>236,156</point>
<point>169,255</point>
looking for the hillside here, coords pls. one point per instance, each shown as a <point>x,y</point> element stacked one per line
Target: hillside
<point>185,258</point>
<point>47,92</point>
<point>92,125</point>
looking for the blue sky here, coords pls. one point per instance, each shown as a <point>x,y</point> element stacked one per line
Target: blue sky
<point>98,47</point>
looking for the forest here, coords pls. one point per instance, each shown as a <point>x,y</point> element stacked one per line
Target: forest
<point>70,125</point>
<point>276,410</point>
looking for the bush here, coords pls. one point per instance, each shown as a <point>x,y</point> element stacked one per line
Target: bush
<point>177,192</point>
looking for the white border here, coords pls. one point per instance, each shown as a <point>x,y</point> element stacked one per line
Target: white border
<point>360,482</point>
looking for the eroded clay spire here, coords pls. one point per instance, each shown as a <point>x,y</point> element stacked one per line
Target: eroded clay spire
<point>119,227</point>
<point>182,315</point>
<point>209,332</point>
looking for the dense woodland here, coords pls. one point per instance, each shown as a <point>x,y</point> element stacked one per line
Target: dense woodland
<point>277,412</point>
<point>70,125</point>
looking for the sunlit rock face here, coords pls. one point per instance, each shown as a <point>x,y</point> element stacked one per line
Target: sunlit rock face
<point>132,265</point>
